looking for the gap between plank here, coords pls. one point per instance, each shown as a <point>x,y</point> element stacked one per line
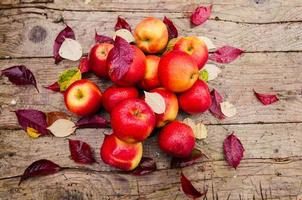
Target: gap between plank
<point>85,54</point>
<point>146,11</point>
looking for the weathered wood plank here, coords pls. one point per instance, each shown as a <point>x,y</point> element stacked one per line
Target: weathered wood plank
<point>253,11</point>
<point>279,72</point>
<point>30,32</point>
<point>278,142</point>
<point>278,181</point>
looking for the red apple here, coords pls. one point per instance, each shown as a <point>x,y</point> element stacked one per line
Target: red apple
<point>115,94</point>
<point>151,78</point>
<point>171,111</point>
<point>177,139</point>
<point>83,97</point>
<point>132,120</point>
<point>151,35</point>
<point>197,99</point>
<point>136,71</point>
<point>97,59</point>
<point>195,47</point>
<point>177,71</point>
<point>119,154</point>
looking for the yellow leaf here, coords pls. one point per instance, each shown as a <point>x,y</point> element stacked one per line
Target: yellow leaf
<point>33,133</point>
<point>68,77</point>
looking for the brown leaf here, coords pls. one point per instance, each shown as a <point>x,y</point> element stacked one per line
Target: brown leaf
<point>51,117</point>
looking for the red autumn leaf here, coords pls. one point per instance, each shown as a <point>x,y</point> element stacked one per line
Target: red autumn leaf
<point>84,65</point>
<point>172,30</point>
<point>40,168</point>
<point>34,119</point>
<point>266,99</point>
<point>103,39</point>
<point>200,15</point>
<point>146,166</point>
<point>184,162</point>
<point>225,54</point>
<point>67,32</point>
<point>119,58</point>
<point>233,150</point>
<point>94,121</point>
<point>122,24</point>
<point>20,75</point>
<point>54,87</point>
<point>189,189</point>
<point>81,152</point>
<point>215,108</point>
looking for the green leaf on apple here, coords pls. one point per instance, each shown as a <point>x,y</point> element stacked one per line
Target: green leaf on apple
<point>204,75</point>
<point>209,72</point>
<point>68,77</point>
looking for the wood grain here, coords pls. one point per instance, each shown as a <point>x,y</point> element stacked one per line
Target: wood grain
<point>270,33</point>
<point>263,141</point>
<point>253,11</point>
<point>277,72</point>
<point>30,32</point>
<point>277,180</point>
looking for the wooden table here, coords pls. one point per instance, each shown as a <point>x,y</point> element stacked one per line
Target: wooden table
<point>270,32</point>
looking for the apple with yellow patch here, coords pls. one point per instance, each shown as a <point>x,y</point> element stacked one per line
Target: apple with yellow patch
<point>120,154</point>
<point>171,110</point>
<point>83,97</point>
<point>195,47</point>
<point>151,35</point>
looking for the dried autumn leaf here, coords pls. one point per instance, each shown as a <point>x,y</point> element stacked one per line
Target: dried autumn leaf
<point>233,150</point>
<point>146,166</point>
<point>200,15</point>
<point>62,128</point>
<point>125,34</point>
<point>68,77</point>
<point>54,87</point>
<point>208,42</point>
<point>33,133</point>
<point>81,152</point>
<point>119,58</point>
<point>184,162</point>
<point>172,30</point>
<point>189,189</point>
<point>67,32</point>
<point>32,118</point>
<point>228,109</point>
<point>71,50</point>
<point>225,54</point>
<point>212,71</point>
<point>94,121</point>
<point>122,24</point>
<point>155,101</point>
<point>266,99</point>
<point>103,39</point>
<point>84,65</point>
<point>20,75</point>
<point>51,117</point>
<point>40,168</point>
<point>199,129</point>
<point>215,108</point>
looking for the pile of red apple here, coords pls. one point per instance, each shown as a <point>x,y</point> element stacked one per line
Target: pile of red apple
<point>174,75</point>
